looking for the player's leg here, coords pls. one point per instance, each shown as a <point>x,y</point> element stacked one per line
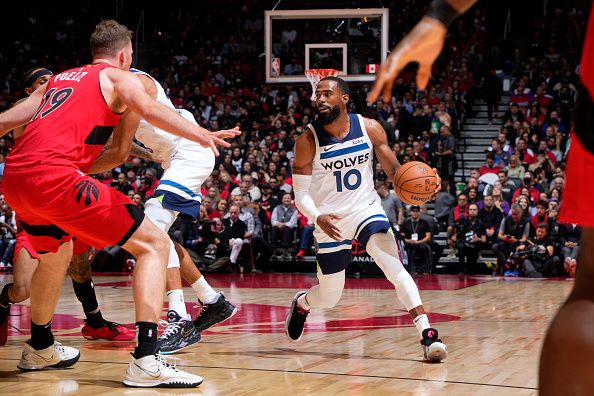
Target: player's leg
<point>42,350</point>
<point>332,258</point>
<point>215,307</point>
<point>566,359</point>
<point>96,327</point>
<point>381,245</point>
<point>25,265</point>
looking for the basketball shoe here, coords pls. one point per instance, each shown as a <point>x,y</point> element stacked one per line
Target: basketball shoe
<point>109,331</point>
<point>179,334</point>
<point>153,372</point>
<point>4,316</point>
<point>54,356</point>
<point>214,313</point>
<point>433,349</point>
<point>295,321</point>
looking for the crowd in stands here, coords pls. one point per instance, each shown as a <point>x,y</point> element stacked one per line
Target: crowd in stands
<point>208,61</point>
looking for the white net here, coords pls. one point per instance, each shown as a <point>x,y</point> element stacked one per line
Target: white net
<point>315,75</point>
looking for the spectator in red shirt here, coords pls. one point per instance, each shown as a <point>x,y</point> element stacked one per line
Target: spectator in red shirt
<point>529,184</point>
<point>490,166</point>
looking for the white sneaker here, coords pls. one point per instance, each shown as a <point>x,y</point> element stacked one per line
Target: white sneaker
<point>434,350</point>
<point>55,356</point>
<point>153,372</point>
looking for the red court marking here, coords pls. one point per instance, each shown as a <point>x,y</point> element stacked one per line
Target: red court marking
<point>300,281</point>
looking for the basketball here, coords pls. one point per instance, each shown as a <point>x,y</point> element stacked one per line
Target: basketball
<point>415,183</point>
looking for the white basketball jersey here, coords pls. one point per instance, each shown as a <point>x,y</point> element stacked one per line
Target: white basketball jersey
<point>159,141</point>
<point>342,174</point>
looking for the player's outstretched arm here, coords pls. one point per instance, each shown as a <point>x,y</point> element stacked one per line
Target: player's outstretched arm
<point>423,45</point>
<point>384,153</point>
<point>305,148</point>
<point>22,112</point>
<point>132,94</point>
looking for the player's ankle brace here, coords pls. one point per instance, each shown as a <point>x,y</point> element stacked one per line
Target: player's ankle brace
<point>41,336</point>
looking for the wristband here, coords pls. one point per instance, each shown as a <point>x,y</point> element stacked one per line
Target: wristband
<point>442,11</point>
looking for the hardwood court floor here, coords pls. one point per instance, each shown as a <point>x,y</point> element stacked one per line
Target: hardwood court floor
<point>366,346</point>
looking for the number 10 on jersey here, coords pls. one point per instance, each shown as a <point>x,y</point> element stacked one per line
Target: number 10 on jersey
<point>346,179</point>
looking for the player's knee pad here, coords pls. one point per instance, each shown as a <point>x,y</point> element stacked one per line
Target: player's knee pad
<point>173,259</point>
<point>382,248</point>
<point>328,292</point>
<point>161,217</point>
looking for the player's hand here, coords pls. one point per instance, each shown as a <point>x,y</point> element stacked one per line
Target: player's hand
<point>423,45</point>
<point>214,139</point>
<point>326,223</point>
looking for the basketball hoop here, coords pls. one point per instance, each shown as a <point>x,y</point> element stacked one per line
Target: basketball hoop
<point>315,75</point>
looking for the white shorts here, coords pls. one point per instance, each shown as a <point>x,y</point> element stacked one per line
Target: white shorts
<point>335,256</point>
<point>191,165</point>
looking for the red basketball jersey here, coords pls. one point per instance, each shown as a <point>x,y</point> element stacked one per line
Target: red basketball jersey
<point>71,126</point>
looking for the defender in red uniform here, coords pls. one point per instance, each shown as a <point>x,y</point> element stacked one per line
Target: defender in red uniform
<point>71,118</point>
<point>26,260</point>
<point>566,363</point>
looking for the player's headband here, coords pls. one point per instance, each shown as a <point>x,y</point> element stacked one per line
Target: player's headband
<point>33,77</point>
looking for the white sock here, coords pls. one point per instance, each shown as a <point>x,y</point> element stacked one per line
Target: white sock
<point>422,323</point>
<point>205,293</point>
<point>302,302</point>
<point>176,302</point>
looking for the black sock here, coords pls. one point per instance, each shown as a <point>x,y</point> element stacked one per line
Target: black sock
<point>41,336</point>
<point>5,300</point>
<point>147,340</point>
<point>85,292</point>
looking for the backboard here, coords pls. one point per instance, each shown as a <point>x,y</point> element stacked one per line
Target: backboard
<point>353,41</point>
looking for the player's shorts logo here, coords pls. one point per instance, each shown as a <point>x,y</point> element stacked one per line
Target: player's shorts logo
<point>87,189</point>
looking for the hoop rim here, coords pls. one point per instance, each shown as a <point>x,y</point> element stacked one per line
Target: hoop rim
<point>318,72</point>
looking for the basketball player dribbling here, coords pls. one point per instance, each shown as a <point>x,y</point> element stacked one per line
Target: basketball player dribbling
<point>26,261</point>
<point>566,362</point>
<point>45,182</point>
<point>334,186</point>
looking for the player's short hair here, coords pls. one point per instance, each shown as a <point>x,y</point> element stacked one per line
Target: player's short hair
<point>342,85</point>
<point>109,37</point>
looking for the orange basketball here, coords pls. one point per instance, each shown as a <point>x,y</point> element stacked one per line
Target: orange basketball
<point>415,183</point>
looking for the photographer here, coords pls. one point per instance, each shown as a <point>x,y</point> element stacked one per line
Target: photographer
<point>541,260</point>
<point>469,237</point>
<point>417,237</point>
<point>513,230</point>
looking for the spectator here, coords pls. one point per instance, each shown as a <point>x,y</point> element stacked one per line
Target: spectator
<point>493,88</point>
<point>123,184</point>
<point>528,182</point>
<point>508,187</point>
<point>541,215</point>
<point>417,237</point>
<point>436,248</point>
<point>284,222</point>
<point>248,183</point>
<point>211,213</point>
<point>460,211</point>
<point>489,166</point>
<point>8,231</point>
<point>446,157</point>
<point>233,234</point>
<point>514,169</point>
<point>490,216</point>
<point>513,114</point>
<point>501,157</point>
<point>444,204</point>
<point>469,238</point>
<point>541,260</point>
<point>260,250</point>
<point>307,229</point>
<point>391,204</point>
<point>570,235</point>
<point>513,230</point>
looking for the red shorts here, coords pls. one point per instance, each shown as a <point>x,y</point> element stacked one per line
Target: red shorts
<point>576,207</point>
<point>57,203</point>
<point>22,242</point>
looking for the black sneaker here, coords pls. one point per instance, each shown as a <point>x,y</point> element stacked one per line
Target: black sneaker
<point>433,349</point>
<point>295,321</point>
<point>179,334</point>
<point>212,314</point>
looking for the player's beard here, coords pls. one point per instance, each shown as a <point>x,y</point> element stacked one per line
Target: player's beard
<point>330,116</point>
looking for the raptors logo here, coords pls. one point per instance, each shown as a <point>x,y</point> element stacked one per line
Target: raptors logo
<point>87,189</point>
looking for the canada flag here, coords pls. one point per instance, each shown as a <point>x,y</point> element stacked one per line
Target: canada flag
<point>371,68</point>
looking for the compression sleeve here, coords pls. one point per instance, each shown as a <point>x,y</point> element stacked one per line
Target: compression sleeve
<point>303,200</point>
